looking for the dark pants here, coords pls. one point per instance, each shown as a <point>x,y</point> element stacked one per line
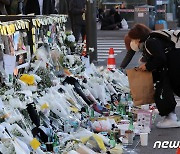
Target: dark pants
<point>79,30</point>
<point>169,83</point>
<point>164,96</point>
<point>174,70</point>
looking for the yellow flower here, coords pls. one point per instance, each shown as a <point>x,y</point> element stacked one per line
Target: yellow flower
<point>28,79</point>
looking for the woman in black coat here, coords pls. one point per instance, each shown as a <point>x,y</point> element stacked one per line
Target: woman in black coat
<point>163,60</point>
<point>2,6</point>
<point>33,6</point>
<point>108,22</point>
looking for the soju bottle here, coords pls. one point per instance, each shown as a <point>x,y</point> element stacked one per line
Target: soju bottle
<point>121,109</point>
<point>56,144</point>
<point>131,126</point>
<point>112,107</point>
<point>129,97</point>
<point>112,141</point>
<point>92,113</point>
<point>87,111</point>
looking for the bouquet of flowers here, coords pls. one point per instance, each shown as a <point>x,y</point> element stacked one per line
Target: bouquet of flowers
<point>70,40</point>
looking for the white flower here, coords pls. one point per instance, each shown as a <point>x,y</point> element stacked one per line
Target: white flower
<point>61,40</point>
<point>91,49</point>
<point>71,38</point>
<point>64,50</point>
<point>37,78</point>
<point>70,60</point>
<point>3,97</point>
<point>9,97</point>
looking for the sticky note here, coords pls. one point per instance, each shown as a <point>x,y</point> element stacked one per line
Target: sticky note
<point>4,30</point>
<point>12,27</point>
<point>23,25</point>
<point>33,30</point>
<point>34,48</point>
<point>48,33</point>
<point>8,30</point>
<point>38,23</point>
<point>34,22</point>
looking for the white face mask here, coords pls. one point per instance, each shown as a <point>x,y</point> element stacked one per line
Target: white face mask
<point>134,45</point>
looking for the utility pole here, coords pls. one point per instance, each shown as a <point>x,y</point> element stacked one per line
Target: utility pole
<point>91,29</point>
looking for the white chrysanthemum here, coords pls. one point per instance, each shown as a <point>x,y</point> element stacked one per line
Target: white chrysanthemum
<point>64,50</point>
<point>61,40</point>
<point>70,59</point>
<point>71,38</point>
<point>91,49</point>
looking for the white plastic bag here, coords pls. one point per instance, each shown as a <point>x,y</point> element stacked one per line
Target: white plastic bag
<point>124,24</point>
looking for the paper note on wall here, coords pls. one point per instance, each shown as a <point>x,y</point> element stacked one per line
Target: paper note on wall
<point>9,63</point>
<point>140,14</point>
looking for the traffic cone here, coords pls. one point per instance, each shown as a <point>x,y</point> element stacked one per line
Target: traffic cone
<point>111,62</point>
<point>84,52</point>
<point>178,151</point>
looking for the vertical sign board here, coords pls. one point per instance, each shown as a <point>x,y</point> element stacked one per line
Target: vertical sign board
<point>141,15</point>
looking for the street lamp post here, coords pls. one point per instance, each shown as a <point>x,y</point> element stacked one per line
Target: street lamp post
<point>91,29</point>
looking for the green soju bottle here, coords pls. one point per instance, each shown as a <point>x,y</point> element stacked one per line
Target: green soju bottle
<point>131,126</point>
<point>87,110</point>
<point>92,113</point>
<point>112,141</point>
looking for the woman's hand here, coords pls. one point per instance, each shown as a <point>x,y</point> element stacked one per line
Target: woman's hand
<point>142,67</point>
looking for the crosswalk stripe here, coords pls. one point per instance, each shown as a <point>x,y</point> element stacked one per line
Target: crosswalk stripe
<point>110,47</point>
<point>104,44</point>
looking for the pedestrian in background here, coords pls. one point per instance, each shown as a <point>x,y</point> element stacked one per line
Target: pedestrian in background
<point>161,58</point>
<point>39,7</point>
<point>61,7</point>
<point>108,22</point>
<point>118,18</point>
<point>4,3</point>
<point>77,11</point>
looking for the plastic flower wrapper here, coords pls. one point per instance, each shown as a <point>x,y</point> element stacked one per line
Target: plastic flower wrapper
<point>4,89</point>
<point>21,146</point>
<point>79,48</point>
<point>45,76</point>
<point>79,101</point>
<point>73,63</point>
<point>57,103</point>
<point>95,143</point>
<point>119,80</point>
<point>42,55</point>
<point>11,115</point>
<point>54,54</point>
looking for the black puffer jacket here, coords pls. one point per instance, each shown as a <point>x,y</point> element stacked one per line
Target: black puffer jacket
<point>160,54</point>
<point>108,23</point>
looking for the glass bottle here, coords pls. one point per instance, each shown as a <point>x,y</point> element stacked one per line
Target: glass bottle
<point>112,141</point>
